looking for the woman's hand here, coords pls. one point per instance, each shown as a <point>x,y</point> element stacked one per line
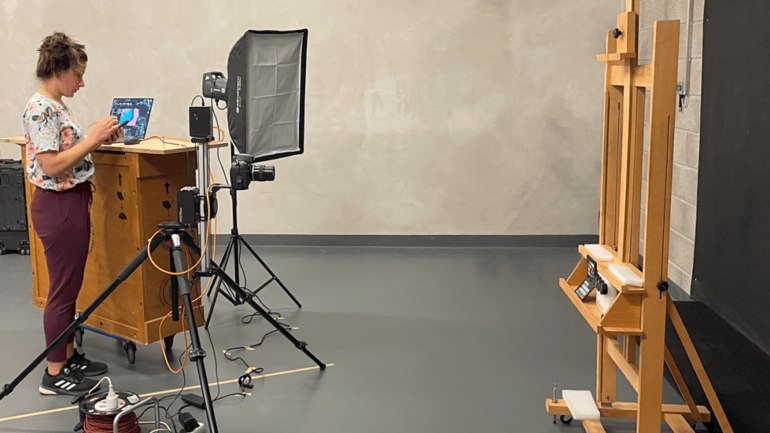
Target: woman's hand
<point>54,163</point>
<point>115,136</point>
<point>104,129</point>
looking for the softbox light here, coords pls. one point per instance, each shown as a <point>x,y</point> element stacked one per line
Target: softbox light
<point>266,93</point>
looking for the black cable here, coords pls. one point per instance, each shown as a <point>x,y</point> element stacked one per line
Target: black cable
<point>224,173</point>
<point>231,395</point>
<point>175,396</point>
<point>267,309</point>
<point>249,317</point>
<point>185,406</point>
<point>244,381</point>
<point>165,409</point>
<point>255,345</point>
<point>203,101</point>
<point>182,407</point>
<point>245,278</point>
<point>181,390</point>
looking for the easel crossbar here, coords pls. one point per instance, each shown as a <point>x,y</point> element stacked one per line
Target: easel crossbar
<point>628,410</point>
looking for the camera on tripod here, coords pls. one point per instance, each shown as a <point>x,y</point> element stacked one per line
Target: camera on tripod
<point>243,171</point>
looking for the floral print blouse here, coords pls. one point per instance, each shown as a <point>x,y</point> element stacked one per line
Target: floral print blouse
<point>50,126</point>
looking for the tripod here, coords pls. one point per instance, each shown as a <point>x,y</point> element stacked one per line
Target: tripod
<point>174,232</point>
<point>234,248</point>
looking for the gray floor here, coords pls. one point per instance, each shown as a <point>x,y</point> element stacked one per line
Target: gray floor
<point>422,340</point>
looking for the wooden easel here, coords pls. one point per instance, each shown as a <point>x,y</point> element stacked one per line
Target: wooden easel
<point>636,319</point>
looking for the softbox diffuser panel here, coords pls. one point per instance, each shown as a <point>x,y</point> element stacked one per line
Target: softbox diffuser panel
<point>266,93</point>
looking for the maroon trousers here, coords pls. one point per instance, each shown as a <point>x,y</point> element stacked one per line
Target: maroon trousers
<point>62,221</point>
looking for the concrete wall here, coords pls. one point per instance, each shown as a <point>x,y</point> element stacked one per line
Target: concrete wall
<point>423,117</point>
<point>687,134</point>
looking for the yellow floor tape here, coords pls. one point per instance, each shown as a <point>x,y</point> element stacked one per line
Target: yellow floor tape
<point>170,391</point>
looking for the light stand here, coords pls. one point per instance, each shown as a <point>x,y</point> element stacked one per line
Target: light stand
<point>234,249</point>
<point>245,297</point>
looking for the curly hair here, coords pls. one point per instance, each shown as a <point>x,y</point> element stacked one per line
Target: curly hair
<point>58,54</point>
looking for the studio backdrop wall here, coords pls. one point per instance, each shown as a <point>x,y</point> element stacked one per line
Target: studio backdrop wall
<point>428,117</point>
<point>733,231</point>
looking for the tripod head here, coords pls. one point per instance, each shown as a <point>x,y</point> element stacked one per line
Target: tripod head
<point>171,227</point>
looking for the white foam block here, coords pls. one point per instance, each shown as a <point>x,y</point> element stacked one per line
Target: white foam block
<point>626,276</point>
<point>599,253</point>
<point>581,404</point>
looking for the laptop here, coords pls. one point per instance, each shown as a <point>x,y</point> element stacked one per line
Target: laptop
<point>137,112</point>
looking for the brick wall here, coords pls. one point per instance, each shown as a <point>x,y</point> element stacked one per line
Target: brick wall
<point>687,134</point>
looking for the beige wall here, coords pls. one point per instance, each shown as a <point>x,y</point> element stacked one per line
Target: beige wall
<point>687,134</point>
<point>423,117</point>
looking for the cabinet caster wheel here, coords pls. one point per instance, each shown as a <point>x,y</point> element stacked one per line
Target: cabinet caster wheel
<point>130,349</point>
<point>168,342</point>
<point>565,419</point>
<point>79,337</point>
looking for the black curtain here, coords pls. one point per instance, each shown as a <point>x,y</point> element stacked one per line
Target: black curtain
<point>732,255</point>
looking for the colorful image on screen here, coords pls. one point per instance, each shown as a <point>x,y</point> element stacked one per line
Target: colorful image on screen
<point>135,109</point>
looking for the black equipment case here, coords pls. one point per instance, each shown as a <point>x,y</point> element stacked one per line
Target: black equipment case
<point>13,208</point>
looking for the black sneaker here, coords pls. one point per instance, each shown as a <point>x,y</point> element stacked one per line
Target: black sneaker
<point>67,382</point>
<point>79,362</point>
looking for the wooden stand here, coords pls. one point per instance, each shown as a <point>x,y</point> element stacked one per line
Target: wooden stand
<point>135,190</point>
<point>636,319</point>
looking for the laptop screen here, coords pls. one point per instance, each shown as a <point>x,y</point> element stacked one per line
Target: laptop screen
<point>136,111</point>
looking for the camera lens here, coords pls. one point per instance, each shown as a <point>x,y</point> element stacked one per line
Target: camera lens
<point>262,173</point>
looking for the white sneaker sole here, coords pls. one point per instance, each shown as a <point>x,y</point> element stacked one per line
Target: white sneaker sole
<point>45,391</point>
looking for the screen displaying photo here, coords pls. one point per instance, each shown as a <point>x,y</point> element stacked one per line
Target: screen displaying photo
<point>136,111</point>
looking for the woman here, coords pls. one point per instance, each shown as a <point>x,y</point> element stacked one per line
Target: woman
<point>59,164</point>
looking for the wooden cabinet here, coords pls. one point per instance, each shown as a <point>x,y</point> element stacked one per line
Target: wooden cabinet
<point>135,190</point>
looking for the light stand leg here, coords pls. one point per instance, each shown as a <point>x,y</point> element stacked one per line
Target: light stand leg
<point>196,354</point>
<point>81,317</point>
<point>274,277</point>
<point>236,237</point>
<point>247,298</point>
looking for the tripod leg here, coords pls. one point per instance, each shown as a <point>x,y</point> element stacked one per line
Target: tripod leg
<point>196,354</point>
<point>80,318</point>
<point>301,345</point>
<point>174,292</point>
<point>275,277</point>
